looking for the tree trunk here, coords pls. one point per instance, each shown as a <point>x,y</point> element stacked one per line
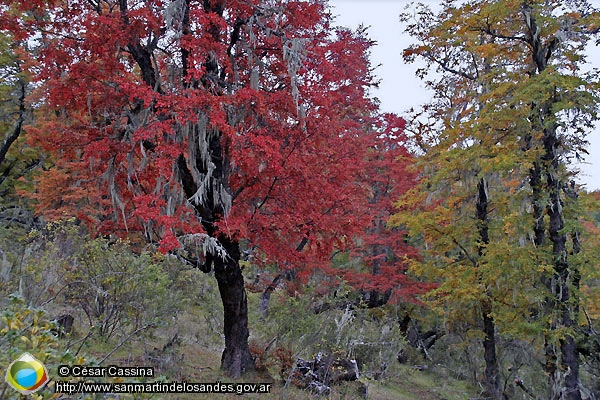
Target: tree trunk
<point>375,298</point>
<point>236,357</point>
<point>565,381</point>
<point>565,274</point>
<point>210,208</point>
<point>288,274</point>
<point>492,370</point>
<point>16,130</point>
<point>492,379</point>
<point>570,361</point>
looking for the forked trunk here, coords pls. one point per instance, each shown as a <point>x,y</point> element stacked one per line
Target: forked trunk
<point>236,356</point>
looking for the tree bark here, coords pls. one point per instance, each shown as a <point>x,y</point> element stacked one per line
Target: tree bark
<point>236,357</point>
<point>492,370</point>
<point>564,382</point>
<point>16,130</point>
<point>492,378</point>
<point>564,273</point>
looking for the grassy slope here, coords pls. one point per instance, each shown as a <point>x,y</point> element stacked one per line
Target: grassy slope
<point>200,346</point>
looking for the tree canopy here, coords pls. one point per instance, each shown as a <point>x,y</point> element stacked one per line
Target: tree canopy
<point>210,126</point>
<point>496,204</point>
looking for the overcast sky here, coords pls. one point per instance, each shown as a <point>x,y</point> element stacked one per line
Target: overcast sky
<point>400,89</point>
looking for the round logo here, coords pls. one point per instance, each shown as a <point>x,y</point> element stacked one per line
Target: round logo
<point>27,374</point>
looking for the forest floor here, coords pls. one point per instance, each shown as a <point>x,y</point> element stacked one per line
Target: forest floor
<point>195,358</point>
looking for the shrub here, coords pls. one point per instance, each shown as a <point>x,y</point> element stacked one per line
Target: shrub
<point>301,329</point>
<point>27,329</point>
<point>99,279</point>
<point>116,288</point>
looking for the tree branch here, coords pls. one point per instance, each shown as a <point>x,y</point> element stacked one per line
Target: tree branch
<point>488,30</point>
<point>446,68</point>
<point>460,246</point>
<point>519,383</point>
<point>12,137</point>
<point>125,341</point>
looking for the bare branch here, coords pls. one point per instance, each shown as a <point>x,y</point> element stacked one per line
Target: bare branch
<point>125,341</point>
<point>488,30</point>
<point>446,68</point>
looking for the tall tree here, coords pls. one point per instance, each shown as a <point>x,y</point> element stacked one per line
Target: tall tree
<point>512,108</point>
<point>214,125</point>
<point>17,159</point>
<point>14,112</point>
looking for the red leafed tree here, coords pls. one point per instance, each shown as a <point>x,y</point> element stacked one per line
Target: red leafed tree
<point>215,123</point>
<point>383,249</point>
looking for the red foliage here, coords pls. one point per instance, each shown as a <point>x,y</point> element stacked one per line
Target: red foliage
<point>306,153</point>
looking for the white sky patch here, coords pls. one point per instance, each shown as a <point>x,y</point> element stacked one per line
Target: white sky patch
<point>400,90</point>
